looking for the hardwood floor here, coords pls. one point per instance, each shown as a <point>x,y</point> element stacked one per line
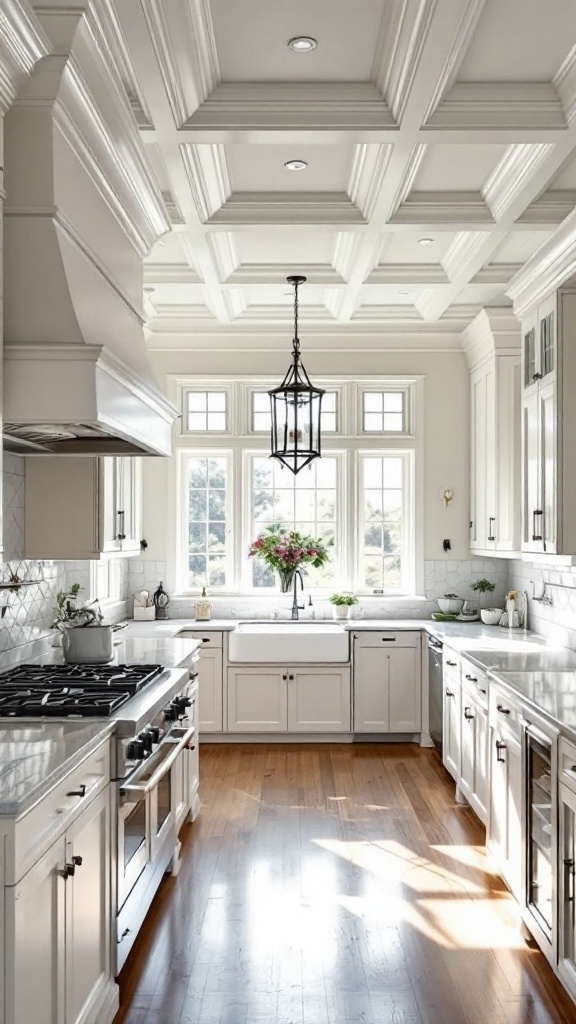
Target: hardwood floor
<point>330,884</point>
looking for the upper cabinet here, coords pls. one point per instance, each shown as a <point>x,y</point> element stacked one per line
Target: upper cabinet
<point>548,426</point>
<point>81,507</point>
<point>492,344</point>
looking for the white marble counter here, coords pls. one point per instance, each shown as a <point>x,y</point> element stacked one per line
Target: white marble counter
<point>551,694</point>
<point>34,756</point>
<point>169,651</point>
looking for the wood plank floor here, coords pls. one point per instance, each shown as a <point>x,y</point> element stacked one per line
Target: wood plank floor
<point>332,884</point>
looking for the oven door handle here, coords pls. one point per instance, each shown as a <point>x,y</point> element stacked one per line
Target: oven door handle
<point>183,743</point>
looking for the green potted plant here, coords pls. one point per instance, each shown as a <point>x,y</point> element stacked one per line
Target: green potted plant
<point>488,615</point>
<point>342,603</point>
<point>81,644</point>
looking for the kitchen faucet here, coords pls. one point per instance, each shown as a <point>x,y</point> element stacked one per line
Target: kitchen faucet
<point>295,605</point>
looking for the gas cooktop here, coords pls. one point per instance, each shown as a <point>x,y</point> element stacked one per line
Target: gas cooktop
<point>71,690</point>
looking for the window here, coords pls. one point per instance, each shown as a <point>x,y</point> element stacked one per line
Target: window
<point>385,538</point>
<point>206,488</point>
<point>105,581</point>
<point>383,412</point>
<point>306,502</point>
<point>206,411</point>
<point>262,418</point>
<point>361,494</point>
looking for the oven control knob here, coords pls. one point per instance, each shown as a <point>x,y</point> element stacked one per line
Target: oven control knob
<point>154,731</point>
<point>183,703</point>
<point>146,739</point>
<point>135,750</point>
<point>171,713</point>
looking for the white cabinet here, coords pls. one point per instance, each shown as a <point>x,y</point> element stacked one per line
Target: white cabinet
<point>492,343</point>
<point>548,427</point>
<point>58,928</point>
<point>294,699</point>
<point>452,701</point>
<point>567,887</point>
<point>505,819</point>
<point>83,507</point>
<point>387,682</point>
<point>210,682</point>
<point>474,740</point>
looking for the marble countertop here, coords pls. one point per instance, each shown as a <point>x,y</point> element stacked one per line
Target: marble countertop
<point>551,694</point>
<point>170,651</point>
<point>34,756</point>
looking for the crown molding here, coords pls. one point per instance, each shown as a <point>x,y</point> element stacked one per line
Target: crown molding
<point>207,172</point>
<point>182,36</point>
<point>367,175</point>
<point>236,303</point>
<point>102,19</point>
<point>275,273</point>
<point>345,254</point>
<point>333,298</point>
<point>549,268</point>
<point>443,207</point>
<point>305,106</point>
<point>333,208</point>
<point>550,208</point>
<point>462,39</point>
<point>275,313</point>
<point>349,339</point>
<point>564,83</point>
<point>224,253</point>
<point>462,253</point>
<point>167,311</point>
<point>172,209</point>
<point>512,173</point>
<point>496,273</point>
<point>498,106</point>
<point>23,42</point>
<point>492,331</point>
<point>408,178</point>
<point>407,273</point>
<point>401,41</point>
<point>170,273</point>
<point>431,302</point>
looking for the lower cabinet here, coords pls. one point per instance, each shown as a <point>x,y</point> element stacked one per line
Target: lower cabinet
<point>504,838</point>
<point>452,703</point>
<point>58,928</point>
<point>567,887</point>
<point>387,682</point>
<point>289,699</point>
<point>474,754</point>
<point>209,678</point>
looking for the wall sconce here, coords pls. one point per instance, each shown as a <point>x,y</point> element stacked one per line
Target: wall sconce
<point>447,495</point>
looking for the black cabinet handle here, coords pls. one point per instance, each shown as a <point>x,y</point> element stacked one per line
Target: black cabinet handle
<point>482,691</point>
<point>502,709</point>
<point>120,535</point>
<point>473,679</point>
<point>388,639</point>
<point>500,746</point>
<point>284,677</point>
<point>290,677</point>
<point>469,718</point>
<point>536,376</point>
<point>492,519</point>
<point>535,535</point>
<point>569,865</point>
<point>449,693</point>
<point>205,639</point>
<point>81,791</point>
<point>452,664</point>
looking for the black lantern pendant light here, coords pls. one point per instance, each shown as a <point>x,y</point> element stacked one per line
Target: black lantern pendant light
<point>296,408</point>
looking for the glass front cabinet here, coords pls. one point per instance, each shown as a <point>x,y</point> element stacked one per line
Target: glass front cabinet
<point>541,854</point>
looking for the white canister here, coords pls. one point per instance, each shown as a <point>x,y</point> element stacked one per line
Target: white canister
<point>90,645</point>
<point>203,607</point>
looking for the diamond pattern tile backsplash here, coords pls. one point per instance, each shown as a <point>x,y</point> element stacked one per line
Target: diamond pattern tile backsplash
<point>27,613</point>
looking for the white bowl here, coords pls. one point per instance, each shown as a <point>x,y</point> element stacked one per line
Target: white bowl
<point>450,605</point>
<point>491,616</point>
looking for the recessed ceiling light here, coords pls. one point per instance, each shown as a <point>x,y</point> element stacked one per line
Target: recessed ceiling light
<point>302,44</point>
<point>295,165</point>
<point>425,241</point>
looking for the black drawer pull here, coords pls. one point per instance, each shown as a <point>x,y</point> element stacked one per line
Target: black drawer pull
<point>502,709</point>
<point>449,693</point>
<point>483,691</point>
<point>81,791</point>
<point>469,718</point>
<point>205,639</point>
<point>453,664</point>
<point>535,535</point>
<point>473,679</point>
<point>388,639</point>
<point>491,520</point>
<point>500,746</point>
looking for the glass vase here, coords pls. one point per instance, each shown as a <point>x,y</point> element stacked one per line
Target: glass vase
<point>286,580</point>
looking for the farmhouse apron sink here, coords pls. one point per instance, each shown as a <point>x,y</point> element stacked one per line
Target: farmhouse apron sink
<point>288,642</point>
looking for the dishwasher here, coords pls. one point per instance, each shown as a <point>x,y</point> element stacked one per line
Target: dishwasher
<point>435,695</point>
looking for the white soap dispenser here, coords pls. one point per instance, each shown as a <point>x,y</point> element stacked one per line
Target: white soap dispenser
<point>203,607</point>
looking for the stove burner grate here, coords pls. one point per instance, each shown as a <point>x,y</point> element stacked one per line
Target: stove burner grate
<point>62,702</point>
<point>127,678</point>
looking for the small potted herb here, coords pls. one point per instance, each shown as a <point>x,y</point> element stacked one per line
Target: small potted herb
<point>342,603</point>
<point>490,616</point>
<point>81,644</point>
<point>483,587</point>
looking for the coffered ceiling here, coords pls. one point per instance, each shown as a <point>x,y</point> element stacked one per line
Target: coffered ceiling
<point>439,138</point>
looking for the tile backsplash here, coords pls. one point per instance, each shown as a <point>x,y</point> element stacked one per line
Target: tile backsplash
<point>551,599</point>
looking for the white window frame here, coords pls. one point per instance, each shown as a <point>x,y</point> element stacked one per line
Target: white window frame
<point>348,444</point>
<point>408,557</point>
<point>337,388</point>
<point>201,387</point>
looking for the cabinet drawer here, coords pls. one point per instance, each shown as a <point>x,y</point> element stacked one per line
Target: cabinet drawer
<point>505,710</point>
<point>370,638</point>
<point>54,812</point>
<point>210,638</point>
<point>475,682</point>
<point>567,764</point>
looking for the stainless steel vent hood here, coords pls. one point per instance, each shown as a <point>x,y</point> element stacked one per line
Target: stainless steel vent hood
<point>82,210</point>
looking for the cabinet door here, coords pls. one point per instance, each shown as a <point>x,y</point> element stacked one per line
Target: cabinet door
<point>371,689</point>
<point>505,824</point>
<point>129,498</point>
<point>210,689</point>
<point>483,459</point>
<point>35,917</point>
<point>548,478</point>
<point>319,700</point>
<point>405,689</point>
<point>530,351</point>
<point>480,801</point>
<point>257,700</point>
<point>88,898</point>
<point>567,890</point>
<point>467,747</point>
<point>109,501</point>
<point>532,536</point>
<point>451,730</point>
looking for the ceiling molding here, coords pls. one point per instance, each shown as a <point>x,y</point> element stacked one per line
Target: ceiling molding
<point>172,209</point>
<point>443,207</point>
<point>367,175</point>
<point>552,265</point>
<point>499,106</point>
<point>386,313</point>
<point>222,246</point>
<point>345,253</point>
<point>491,331</point>
<point>182,310</point>
<point>305,106</point>
<point>496,273</point>
<point>549,208</point>
<point>333,301</point>
<point>23,42</point>
<point>510,175</point>
<point>407,273</point>
<point>184,337</point>
<point>236,303</point>
<point>182,36</point>
<point>332,208</point>
<point>397,64</point>
<point>408,178</point>
<point>462,39</point>
<point>275,273</point>
<point>431,302</point>
<point>170,273</point>
<point>275,313</point>
<point>564,82</point>
<point>462,252</point>
<point>108,36</point>
<point>208,177</point>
